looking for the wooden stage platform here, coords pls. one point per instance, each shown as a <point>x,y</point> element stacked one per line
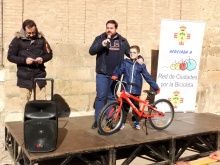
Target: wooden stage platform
<point>79,144</point>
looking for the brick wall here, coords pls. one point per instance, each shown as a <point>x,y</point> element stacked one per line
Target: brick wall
<point>71,26</point>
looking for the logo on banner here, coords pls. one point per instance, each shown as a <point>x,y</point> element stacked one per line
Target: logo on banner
<point>176,99</point>
<point>187,64</point>
<point>182,35</point>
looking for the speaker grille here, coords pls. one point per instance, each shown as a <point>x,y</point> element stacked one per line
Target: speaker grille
<point>40,135</point>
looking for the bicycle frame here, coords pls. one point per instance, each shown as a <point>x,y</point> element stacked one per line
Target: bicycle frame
<point>127,96</point>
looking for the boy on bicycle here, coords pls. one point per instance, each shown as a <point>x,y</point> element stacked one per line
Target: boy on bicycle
<point>133,73</point>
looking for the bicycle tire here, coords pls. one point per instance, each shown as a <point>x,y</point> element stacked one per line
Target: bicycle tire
<point>106,124</point>
<point>162,122</point>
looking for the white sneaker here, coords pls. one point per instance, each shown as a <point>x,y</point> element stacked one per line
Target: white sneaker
<point>136,125</point>
<point>122,126</point>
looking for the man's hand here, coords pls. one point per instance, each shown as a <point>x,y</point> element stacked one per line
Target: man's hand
<point>39,60</point>
<point>140,61</point>
<point>105,42</point>
<point>29,60</point>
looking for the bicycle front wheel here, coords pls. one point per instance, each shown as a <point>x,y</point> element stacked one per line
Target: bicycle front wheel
<point>161,122</point>
<point>110,118</point>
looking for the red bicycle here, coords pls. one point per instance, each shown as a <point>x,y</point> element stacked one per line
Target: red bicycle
<point>160,114</point>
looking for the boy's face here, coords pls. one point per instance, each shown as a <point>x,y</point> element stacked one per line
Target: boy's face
<point>133,54</point>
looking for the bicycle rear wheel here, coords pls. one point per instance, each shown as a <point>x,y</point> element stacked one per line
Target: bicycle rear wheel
<point>161,122</point>
<point>108,122</point>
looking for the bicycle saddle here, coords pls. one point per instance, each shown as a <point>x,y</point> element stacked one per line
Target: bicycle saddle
<point>149,92</point>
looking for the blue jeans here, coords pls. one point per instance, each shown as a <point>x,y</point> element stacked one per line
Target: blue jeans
<point>104,92</point>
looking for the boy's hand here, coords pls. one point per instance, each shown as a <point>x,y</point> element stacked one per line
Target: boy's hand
<point>114,77</point>
<point>158,91</point>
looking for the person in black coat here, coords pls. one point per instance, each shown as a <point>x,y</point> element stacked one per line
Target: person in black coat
<point>30,50</point>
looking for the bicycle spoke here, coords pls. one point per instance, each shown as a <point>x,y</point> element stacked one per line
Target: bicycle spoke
<point>162,121</point>
<point>109,120</point>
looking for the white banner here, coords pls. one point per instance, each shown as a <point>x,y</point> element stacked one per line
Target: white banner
<point>178,63</point>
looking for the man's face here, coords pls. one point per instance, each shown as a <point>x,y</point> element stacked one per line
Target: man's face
<point>30,32</point>
<point>110,29</point>
<point>133,54</point>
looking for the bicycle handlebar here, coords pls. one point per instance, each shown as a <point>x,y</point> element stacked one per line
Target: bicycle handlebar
<point>149,92</point>
<point>128,83</point>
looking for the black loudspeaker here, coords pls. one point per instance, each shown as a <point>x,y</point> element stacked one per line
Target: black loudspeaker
<point>40,124</point>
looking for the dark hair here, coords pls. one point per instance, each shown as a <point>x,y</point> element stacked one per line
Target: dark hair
<point>112,22</point>
<point>135,47</point>
<point>28,23</point>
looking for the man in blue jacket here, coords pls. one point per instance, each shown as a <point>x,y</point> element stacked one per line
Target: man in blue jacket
<point>29,50</point>
<point>109,48</point>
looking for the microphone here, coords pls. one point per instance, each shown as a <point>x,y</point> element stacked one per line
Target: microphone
<point>108,44</point>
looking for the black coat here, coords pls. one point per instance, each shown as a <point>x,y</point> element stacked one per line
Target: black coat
<point>101,52</point>
<point>19,49</point>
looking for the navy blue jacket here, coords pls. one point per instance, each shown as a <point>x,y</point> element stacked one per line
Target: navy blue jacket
<point>98,49</point>
<point>133,73</point>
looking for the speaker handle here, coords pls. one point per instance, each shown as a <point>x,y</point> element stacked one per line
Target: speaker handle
<point>43,79</point>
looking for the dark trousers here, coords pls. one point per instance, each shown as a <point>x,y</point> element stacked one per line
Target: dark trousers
<point>126,108</point>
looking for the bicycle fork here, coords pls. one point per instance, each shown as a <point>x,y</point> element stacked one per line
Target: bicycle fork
<point>119,109</point>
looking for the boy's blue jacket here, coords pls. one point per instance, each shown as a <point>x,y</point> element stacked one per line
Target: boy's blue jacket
<point>133,73</point>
